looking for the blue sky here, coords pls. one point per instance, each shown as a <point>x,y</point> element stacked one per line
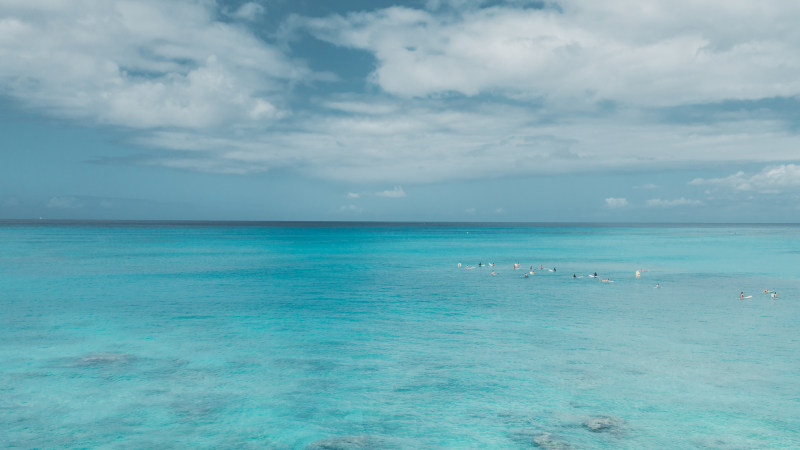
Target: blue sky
<point>439,110</point>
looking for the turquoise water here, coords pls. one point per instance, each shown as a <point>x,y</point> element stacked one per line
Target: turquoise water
<point>223,336</point>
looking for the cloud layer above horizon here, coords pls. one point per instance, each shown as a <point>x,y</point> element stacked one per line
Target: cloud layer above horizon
<point>455,90</point>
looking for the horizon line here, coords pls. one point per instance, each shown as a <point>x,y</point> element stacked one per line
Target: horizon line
<point>365,223</point>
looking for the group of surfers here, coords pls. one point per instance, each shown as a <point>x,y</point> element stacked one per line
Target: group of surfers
<point>773,294</point>
<point>531,271</point>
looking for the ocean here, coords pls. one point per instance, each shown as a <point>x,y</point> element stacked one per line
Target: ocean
<point>370,335</point>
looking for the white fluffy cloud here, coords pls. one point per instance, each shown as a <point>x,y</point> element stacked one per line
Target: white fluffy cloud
<point>612,202</point>
<point>397,192</point>
<point>351,209</point>
<point>64,203</point>
<point>661,203</point>
<point>139,64</point>
<point>650,52</point>
<point>427,141</point>
<point>248,11</point>
<point>771,180</point>
<point>210,96</point>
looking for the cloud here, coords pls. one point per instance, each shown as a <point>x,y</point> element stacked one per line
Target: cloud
<point>141,64</point>
<point>771,180</point>
<point>64,203</point>
<point>351,209</point>
<point>612,202</point>
<point>646,186</point>
<point>656,53</point>
<point>429,141</point>
<point>660,203</point>
<point>397,192</point>
<point>248,11</point>
<point>465,90</point>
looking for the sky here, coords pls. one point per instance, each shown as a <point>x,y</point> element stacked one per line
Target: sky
<point>417,110</point>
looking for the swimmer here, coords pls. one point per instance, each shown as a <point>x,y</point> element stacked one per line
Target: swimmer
<point>775,294</point>
<point>766,291</point>
<point>540,267</point>
<point>525,276</point>
<point>741,295</point>
<point>595,275</point>
<point>554,269</point>
<point>480,264</point>
<point>459,265</point>
<point>533,273</point>
<point>574,276</point>
<point>493,274</point>
<point>658,285</point>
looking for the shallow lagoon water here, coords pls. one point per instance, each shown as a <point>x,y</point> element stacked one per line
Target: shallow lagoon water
<point>234,336</point>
